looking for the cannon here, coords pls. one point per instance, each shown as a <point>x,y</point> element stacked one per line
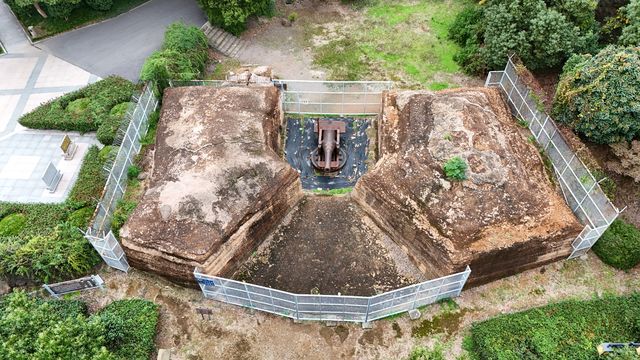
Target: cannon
<point>329,157</point>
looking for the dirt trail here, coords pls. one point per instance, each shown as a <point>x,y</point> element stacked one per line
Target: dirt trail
<point>236,333</point>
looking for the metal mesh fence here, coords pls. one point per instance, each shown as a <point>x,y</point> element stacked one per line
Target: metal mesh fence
<point>128,139</point>
<point>318,97</point>
<point>331,307</point>
<point>580,188</point>
<point>333,97</point>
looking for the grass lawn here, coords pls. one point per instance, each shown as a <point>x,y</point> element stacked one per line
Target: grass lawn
<point>81,16</point>
<point>404,41</point>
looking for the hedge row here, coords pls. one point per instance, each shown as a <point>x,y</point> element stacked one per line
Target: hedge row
<point>619,246</point>
<point>31,328</point>
<point>42,241</point>
<point>566,330</point>
<point>96,107</point>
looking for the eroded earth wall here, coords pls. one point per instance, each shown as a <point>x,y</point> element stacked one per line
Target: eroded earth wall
<point>218,186</point>
<point>504,218</point>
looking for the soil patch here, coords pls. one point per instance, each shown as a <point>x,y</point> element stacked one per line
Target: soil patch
<point>326,246</point>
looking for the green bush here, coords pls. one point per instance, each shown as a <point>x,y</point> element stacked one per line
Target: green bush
<point>83,110</point>
<point>183,56</point>
<point>61,8</point>
<point>598,95</point>
<point>81,217</point>
<point>50,246</point>
<point>32,328</point>
<point>130,328</point>
<point>101,5</point>
<point>543,34</point>
<point>619,246</point>
<point>455,169</point>
<point>91,180</point>
<point>566,330</point>
<point>631,32</point>
<point>232,15</point>
<point>133,171</point>
<point>12,224</point>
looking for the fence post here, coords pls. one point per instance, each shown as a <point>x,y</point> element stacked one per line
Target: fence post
<point>467,272</point>
<point>366,315</point>
<point>46,287</point>
<point>297,308</point>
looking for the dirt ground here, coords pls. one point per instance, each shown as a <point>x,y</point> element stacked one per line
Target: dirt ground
<point>236,333</point>
<point>327,245</point>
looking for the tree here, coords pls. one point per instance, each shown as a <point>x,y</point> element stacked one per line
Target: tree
<point>631,32</point>
<point>543,34</point>
<point>55,8</point>
<point>232,15</point>
<point>598,95</point>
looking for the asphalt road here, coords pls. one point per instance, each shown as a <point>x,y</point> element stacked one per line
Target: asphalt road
<point>120,45</point>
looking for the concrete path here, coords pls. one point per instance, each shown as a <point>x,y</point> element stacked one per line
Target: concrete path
<point>29,77</point>
<point>120,45</point>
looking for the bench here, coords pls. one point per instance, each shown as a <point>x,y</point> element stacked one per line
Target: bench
<point>52,177</point>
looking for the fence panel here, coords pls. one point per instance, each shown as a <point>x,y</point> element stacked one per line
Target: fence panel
<point>330,307</point>
<point>128,139</point>
<point>580,188</point>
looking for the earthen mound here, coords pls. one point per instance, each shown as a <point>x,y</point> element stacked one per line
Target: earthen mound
<point>505,218</point>
<point>217,187</point>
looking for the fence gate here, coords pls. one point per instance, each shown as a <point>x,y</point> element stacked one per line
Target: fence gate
<point>333,97</point>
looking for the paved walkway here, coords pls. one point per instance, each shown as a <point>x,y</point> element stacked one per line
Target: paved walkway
<point>29,77</point>
<point>120,45</point>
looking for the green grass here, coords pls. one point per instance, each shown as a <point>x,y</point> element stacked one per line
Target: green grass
<point>566,330</point>
<point>333,192</point>
<point>81,16</point>
<point>405,41</point>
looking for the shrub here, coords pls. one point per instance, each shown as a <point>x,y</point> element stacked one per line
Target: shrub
<point>455,169</point>
<point>91,179</point>
<point>32,328</point>
<point>232,15</point>
<point>543,36</point>
<point>100,5</point>
<point>12,224</point>
<point>598,96</point>
<point>133,171</point>
<point>81,217</point>
<point>631,32</point>
<point>619,246</point>
<point>183,56</point>
<point>61,8</point>
<point>130,328</point>
<point>566,330</point>
<point>50,246</point>
<point>110,124</point>
<point>83,110</point>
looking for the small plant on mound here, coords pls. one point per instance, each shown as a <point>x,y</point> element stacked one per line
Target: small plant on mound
<point>598,95</point>
<point>455,169</point>
<point>619,246</point>
<point>12,224</point>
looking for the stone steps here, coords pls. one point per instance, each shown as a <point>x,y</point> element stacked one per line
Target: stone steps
<point>222,41</point>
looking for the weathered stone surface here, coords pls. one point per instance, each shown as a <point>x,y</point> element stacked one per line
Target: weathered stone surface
<point>217,186</point>
<point>505,218</point>
<point>5,288</point>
